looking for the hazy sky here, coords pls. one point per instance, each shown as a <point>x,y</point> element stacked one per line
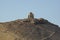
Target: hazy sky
<point>18,9</point>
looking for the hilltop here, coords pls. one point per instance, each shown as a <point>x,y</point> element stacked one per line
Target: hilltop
<point>29,29</point>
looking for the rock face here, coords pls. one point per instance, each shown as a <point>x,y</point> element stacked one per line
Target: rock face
<point>29,29</point>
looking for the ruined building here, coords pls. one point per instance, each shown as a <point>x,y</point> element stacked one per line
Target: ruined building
<point>29,29</point>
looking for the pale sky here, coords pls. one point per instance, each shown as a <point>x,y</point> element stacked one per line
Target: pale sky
<point>18,9</point>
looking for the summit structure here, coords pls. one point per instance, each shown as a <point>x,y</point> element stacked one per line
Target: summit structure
<point>31,15</point>
<point>29,29</point>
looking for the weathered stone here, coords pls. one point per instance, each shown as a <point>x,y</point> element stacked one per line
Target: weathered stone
<point>31,16</point>
<point>41,20</point>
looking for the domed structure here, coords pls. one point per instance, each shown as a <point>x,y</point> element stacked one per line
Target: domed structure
<point>29,29</point>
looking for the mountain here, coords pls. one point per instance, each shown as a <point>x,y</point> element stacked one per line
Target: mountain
<point>29,29</point>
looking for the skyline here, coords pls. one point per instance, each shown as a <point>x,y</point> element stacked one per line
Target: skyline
<point>18,9</point>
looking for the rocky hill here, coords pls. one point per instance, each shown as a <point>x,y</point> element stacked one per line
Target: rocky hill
<point>29,29</point>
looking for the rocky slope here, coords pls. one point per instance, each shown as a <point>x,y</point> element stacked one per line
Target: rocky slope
<point>29,29</point>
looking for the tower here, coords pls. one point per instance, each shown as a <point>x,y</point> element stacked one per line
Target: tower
<point>31,15</point>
